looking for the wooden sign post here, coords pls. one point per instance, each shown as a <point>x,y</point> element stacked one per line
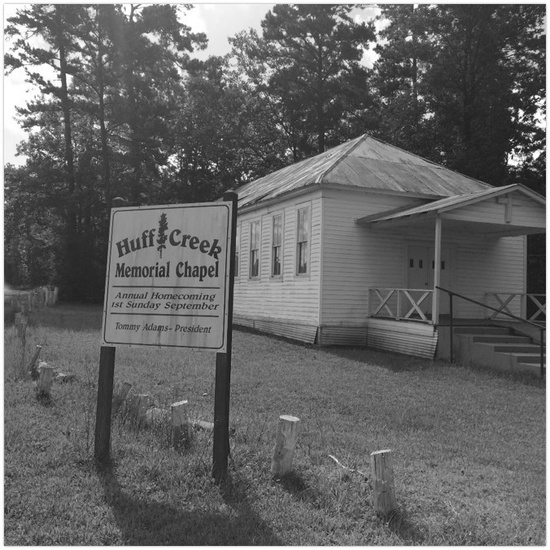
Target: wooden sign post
<point>223,367</point>
<point>104,403</point>
<point>170,284</point>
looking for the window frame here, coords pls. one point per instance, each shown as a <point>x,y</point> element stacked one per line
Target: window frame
<point>300,243</point>
<point>278,215</point>
<point>251,274</point>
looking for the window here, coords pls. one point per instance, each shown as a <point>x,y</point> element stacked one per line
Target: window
<point>302,255</point>
<point>255,249</point>
<point>237,249</point>
<point>276,246</point>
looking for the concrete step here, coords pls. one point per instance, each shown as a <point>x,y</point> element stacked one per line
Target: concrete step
<point>482,330</point>
<point>527,357</point>
<point>498,348</point>
<point>502,339</point>
<point>517,348</point>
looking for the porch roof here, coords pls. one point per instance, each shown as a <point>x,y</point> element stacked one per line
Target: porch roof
<point>490,211</point>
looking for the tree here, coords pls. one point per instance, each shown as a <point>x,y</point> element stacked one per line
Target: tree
<point>115,138</point>
<point>312,67</point>
<point>469,79</point>
<point>153,49</point>
<point>405,54</point>
<point>52,23</point>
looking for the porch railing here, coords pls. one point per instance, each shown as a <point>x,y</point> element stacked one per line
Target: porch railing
<point>533,306</point>
<point>400,303</point>
<point>539,326</point>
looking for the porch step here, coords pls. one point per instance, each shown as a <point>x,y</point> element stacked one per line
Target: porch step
<point>482,330</point>
<point>528,358</point>
<point>498,348</point>
<point>518,348</point>
<point>502,339</point>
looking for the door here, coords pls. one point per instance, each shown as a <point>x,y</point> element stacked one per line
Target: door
<point>421,266</point>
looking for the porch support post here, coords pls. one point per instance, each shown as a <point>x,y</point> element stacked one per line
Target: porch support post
<point>437,271</point>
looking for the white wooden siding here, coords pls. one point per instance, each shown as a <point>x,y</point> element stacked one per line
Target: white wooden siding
<point>488,265</point>
<point>355,259</point>
<point>524,212</point>
<point>289,297</point>
<point>347,259</point>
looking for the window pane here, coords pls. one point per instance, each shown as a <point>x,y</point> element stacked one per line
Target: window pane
<point>303,224</point>
<point>254,234</point>
<point>276,260</point>
<point>277,230</point>
<point>303,240</point>
<point>254,263</point>
<point>302,257</point>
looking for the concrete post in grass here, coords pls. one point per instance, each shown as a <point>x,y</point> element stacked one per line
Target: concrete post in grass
<point>120,397</point>
<point>45,378</point>
<point>21,322</point>
<point>382,482</point>
<point>285,442</point>
<point>180,424</point>
<point>32,365</point>
<point>141,403</point>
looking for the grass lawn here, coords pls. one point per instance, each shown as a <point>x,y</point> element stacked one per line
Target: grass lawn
<point>468,447</point>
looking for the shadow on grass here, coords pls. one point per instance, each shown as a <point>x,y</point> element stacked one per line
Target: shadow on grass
<point>399,524</point>
<point>295,484</point>
<point>148,523</point>
<point>397,362</point>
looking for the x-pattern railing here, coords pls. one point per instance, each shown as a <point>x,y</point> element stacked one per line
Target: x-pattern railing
<point>390,302</point>
<point>506,300</point>
<point>540,326</point>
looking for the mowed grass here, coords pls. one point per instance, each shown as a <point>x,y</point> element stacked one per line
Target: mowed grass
<point>468,447</point>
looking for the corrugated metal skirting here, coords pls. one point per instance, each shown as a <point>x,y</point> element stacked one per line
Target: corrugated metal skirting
<point>409,338</point>
<point>342,336</point>
<point>288,329</point>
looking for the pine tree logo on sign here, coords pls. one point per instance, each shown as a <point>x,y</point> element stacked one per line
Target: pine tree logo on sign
<point>167,276</point>
<point>163,226</point>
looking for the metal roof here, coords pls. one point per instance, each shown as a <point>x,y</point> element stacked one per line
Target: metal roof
<point>449,203</point>
<point>367,163</point>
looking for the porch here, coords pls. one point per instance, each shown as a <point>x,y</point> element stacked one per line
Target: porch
<point>474,258</point>
<point>398,321</point>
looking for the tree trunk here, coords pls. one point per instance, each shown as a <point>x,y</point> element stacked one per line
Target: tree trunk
<point>71,276</point>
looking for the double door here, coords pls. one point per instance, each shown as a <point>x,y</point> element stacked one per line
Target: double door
<point>421,269</point>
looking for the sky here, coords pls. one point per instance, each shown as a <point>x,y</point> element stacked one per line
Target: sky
<point>219,21</point>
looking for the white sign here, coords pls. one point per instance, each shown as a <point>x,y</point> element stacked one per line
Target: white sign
<point>168,276</point>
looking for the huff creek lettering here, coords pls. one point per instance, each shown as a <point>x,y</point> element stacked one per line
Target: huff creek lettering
<point>176,238</point>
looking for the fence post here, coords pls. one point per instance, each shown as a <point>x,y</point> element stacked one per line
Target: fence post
<point>32,364</point>
<point>283,452</point>
<point>180,424</point>
<point>139,405</point>
<point>45,377</point>
<point>120,397</point>
<point>382,482</point>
